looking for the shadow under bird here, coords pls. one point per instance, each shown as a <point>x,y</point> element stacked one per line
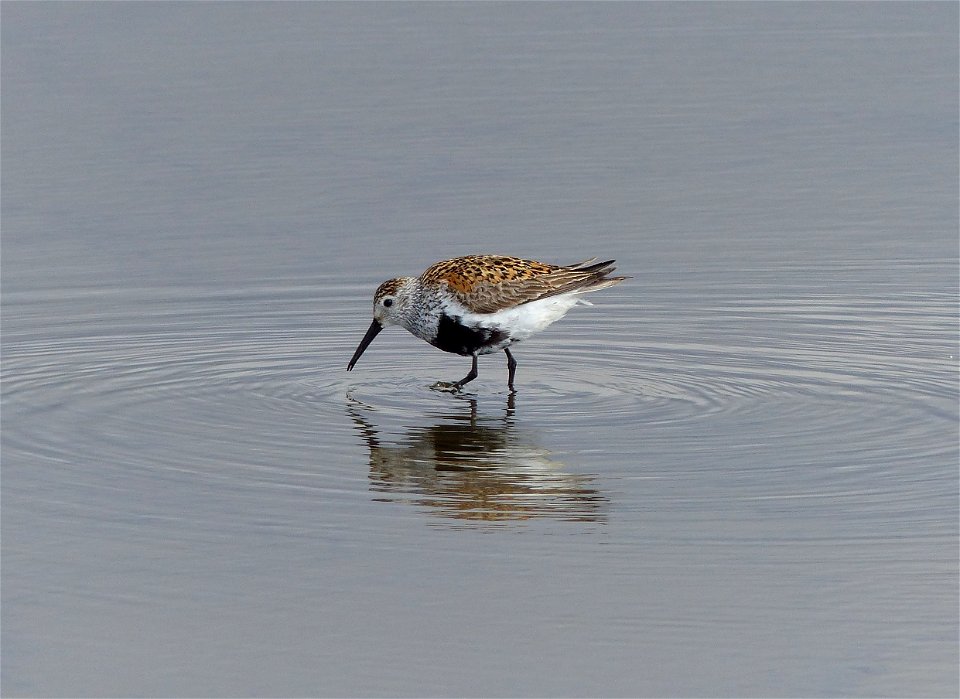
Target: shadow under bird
<point>481,304</point>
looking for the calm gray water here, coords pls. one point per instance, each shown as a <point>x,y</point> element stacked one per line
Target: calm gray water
<point>736,474</point>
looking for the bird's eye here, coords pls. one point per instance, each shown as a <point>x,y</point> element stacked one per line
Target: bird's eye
<point>387,303</point>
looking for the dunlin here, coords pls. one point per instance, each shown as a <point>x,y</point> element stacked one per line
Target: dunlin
<point>483,303</point>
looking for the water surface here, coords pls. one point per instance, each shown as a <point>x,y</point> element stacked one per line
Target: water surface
<point>735,474</point>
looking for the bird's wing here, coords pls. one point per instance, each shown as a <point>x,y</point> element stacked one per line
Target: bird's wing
<point>486,297</point>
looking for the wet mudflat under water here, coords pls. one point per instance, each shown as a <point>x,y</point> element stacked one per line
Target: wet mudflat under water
<point>735,474</point>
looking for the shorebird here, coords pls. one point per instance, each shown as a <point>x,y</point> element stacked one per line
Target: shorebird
<point>480,304</point>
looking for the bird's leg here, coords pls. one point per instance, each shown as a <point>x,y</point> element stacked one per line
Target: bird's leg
<point>511,368</point>
<point>457,385</point>
<point>469,377</point>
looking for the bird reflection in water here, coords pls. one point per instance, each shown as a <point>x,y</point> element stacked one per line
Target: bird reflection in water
<point>469,468</point>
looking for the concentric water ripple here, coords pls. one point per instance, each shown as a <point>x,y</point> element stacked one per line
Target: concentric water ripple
<point>251,388</point>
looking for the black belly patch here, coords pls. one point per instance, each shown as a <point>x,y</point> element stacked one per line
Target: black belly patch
<point>459,339</point>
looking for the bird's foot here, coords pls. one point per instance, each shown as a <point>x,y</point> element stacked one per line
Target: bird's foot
<point>447,386</point>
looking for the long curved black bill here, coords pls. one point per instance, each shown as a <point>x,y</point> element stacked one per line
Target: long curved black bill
<point>372,332</point>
